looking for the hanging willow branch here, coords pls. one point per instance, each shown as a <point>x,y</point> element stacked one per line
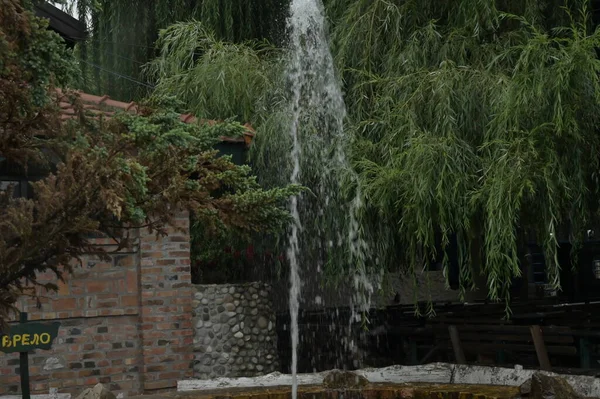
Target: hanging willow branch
<point>481,126</point>
<point>214,79</point>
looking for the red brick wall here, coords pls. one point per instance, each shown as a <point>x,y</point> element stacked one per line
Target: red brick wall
<point>124,322</point>
<point>166,303</point>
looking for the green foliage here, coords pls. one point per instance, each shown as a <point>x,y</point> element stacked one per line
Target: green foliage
<point>40,54</point>
<point>480,125</point>
<point>32,55</point>
<point>214,79</point>
<point>123,34</point>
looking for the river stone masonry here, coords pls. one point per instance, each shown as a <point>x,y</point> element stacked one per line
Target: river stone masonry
<point>235,335</point>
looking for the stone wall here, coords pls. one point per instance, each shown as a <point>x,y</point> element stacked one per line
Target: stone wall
<point>234,331</point>
<point>125,322</point>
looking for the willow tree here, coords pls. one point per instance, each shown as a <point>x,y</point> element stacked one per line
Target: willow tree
<point>122,35</point>
<point>212,78</point>
<point>477,121</point>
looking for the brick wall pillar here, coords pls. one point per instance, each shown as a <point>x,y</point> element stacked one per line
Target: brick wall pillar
<point>166,307</point>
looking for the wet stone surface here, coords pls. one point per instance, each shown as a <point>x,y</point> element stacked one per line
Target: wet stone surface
<point>234,331</point>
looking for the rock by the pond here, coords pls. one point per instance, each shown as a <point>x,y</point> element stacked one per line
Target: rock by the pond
<point>97,392</point>
<point>551,387</point>
<point>525,388</point>
<point>338,379</point>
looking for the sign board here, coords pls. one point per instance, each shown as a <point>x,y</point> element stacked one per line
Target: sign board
<point>27,337</point>
<point>24,338</point>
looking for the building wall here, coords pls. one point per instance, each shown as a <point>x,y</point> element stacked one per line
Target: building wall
<point>125,321</point>
<point>235,333</point>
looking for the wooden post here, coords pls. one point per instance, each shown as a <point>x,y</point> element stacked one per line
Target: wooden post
<point>584,353</point>
<point>24,366</point>
<point>540,348</point>
<point>459,355</point>
<point>413,352</point>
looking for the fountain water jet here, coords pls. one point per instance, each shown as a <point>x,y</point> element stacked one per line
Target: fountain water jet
<point>317,113</point>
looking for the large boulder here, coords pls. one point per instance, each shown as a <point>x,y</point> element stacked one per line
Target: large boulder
<point>545,386</point>
<point>97,392</point>
<point>337,379</point>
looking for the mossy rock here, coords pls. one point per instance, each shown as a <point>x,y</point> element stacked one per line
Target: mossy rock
<point>551,387</point>
<point>338,379</point>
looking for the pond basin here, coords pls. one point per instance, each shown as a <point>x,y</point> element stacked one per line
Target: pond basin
<point>370,391</point>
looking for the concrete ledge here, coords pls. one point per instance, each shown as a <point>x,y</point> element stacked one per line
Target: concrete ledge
<point>584,385</point>
<point>53,394</point>
<point>437,373</point>
<point>47,396</point>
<point>269,380</point>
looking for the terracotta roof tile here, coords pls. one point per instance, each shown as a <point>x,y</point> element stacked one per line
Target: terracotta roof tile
<point>104,106</point>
